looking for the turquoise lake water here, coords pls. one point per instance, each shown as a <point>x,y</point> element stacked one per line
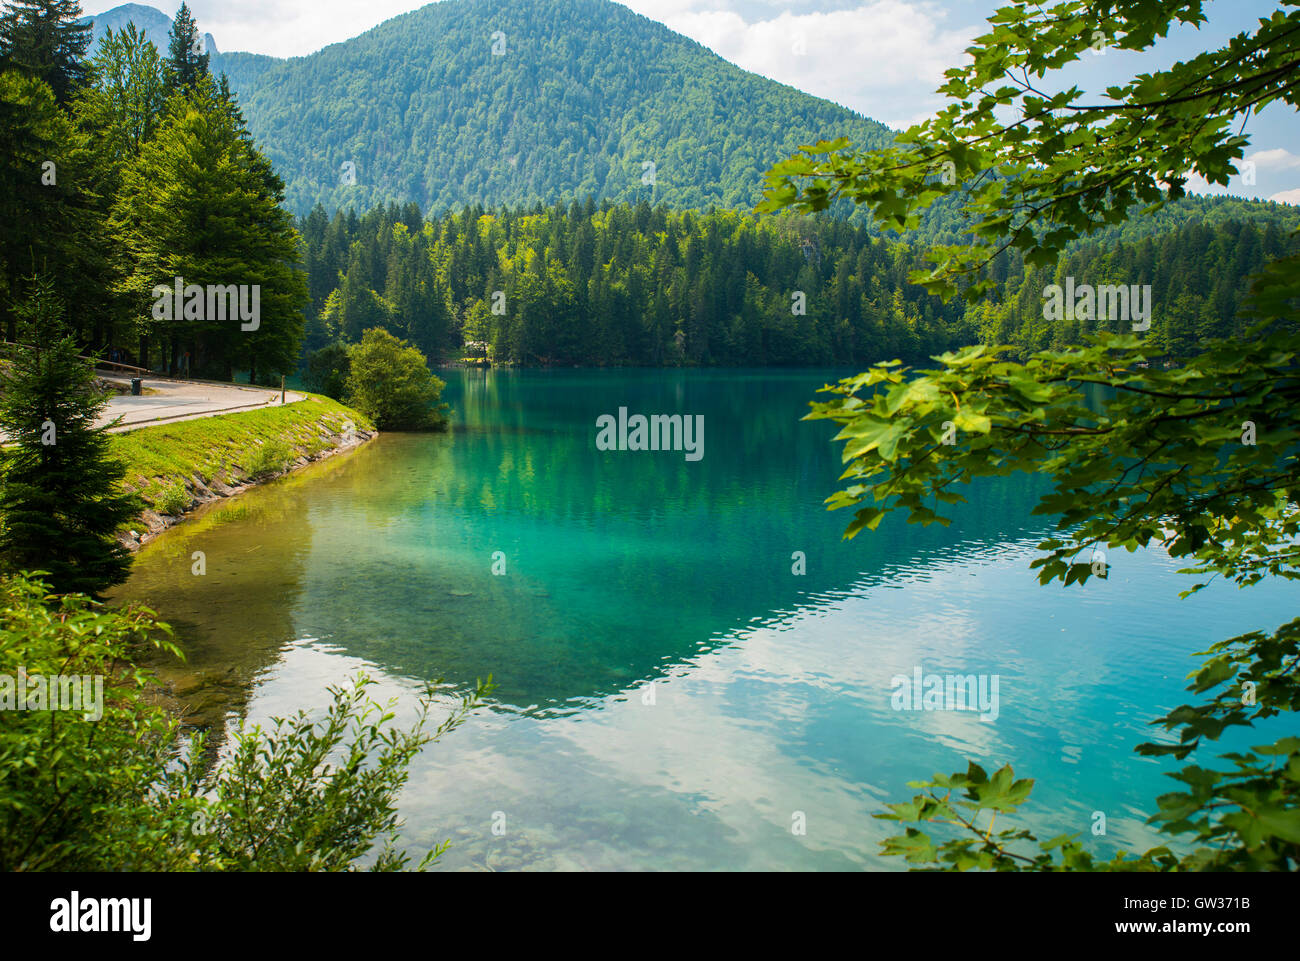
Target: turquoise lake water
<point>771,690</point>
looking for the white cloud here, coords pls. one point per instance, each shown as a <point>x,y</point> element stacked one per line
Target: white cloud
<point>1276,159</point>
<point>884,58</point>
<point>281,28</point>
<point>1260,175</point>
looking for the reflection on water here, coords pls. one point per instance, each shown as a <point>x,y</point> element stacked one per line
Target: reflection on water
<point>622,568</point>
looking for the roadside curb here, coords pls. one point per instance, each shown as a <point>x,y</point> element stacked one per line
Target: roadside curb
<point>123,428</point>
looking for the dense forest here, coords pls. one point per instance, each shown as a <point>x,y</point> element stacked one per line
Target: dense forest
<point>616,284</point>
<point>943,223</point>
<point>621,285</point>
<point>1199,275</point>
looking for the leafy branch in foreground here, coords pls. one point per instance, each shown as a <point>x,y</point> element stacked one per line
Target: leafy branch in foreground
<point>1245,819</point>
<point>120,793</point>
<point>1032,168</point>
<point>59,771</point>
<point>1199,460</point>
<point>279,803</point>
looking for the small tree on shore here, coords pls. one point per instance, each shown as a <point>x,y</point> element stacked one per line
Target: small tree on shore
<point>62,501</point>
<point>390,382</point>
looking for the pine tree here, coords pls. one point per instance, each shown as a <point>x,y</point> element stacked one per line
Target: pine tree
<point>50,219</point>
<point>185,63</point>
<point>61,501</point>
<point>46,39</point>
<point>29,137</point>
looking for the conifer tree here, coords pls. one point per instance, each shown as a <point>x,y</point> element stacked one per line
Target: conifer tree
<point>50,220</point>
<point>61,499</point>
<point>200,203</point>
<point>28,138</point>
<point>185,63</point>
<point>46,39</point>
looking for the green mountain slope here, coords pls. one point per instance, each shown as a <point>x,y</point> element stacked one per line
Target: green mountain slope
<point>584,95</point>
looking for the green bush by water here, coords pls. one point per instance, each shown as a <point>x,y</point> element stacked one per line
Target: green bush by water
<point>130,795</point>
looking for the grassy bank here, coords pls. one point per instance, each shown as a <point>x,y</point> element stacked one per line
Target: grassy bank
<point>178,466</point>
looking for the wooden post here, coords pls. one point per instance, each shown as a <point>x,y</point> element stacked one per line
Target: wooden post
<point>282,390</point>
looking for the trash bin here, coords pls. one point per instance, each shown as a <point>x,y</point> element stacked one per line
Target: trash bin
<point>136,389</point>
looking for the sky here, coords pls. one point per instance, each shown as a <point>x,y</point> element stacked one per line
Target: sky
<point>882,58</point>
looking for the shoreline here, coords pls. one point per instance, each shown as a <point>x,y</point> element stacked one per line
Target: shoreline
<point>181,467</point>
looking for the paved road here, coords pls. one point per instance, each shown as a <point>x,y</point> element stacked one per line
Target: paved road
<point>184,400</point>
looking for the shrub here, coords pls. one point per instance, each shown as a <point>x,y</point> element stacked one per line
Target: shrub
<point>173,499</point>
<point>390,382</point>
<point>119,794</point>
<point>59,772</point>
<point>270,458</point>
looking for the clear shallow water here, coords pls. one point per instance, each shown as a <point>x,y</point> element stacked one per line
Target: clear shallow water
<point>772,691</point>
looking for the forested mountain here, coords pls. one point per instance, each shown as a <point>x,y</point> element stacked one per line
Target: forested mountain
<point>613,271</point>
<point>578,98</point>
<point>1194,210</point>
<point>941,223</point>
<point>425,112</point>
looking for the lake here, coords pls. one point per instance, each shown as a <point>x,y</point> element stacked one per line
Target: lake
<point>671,693</point>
